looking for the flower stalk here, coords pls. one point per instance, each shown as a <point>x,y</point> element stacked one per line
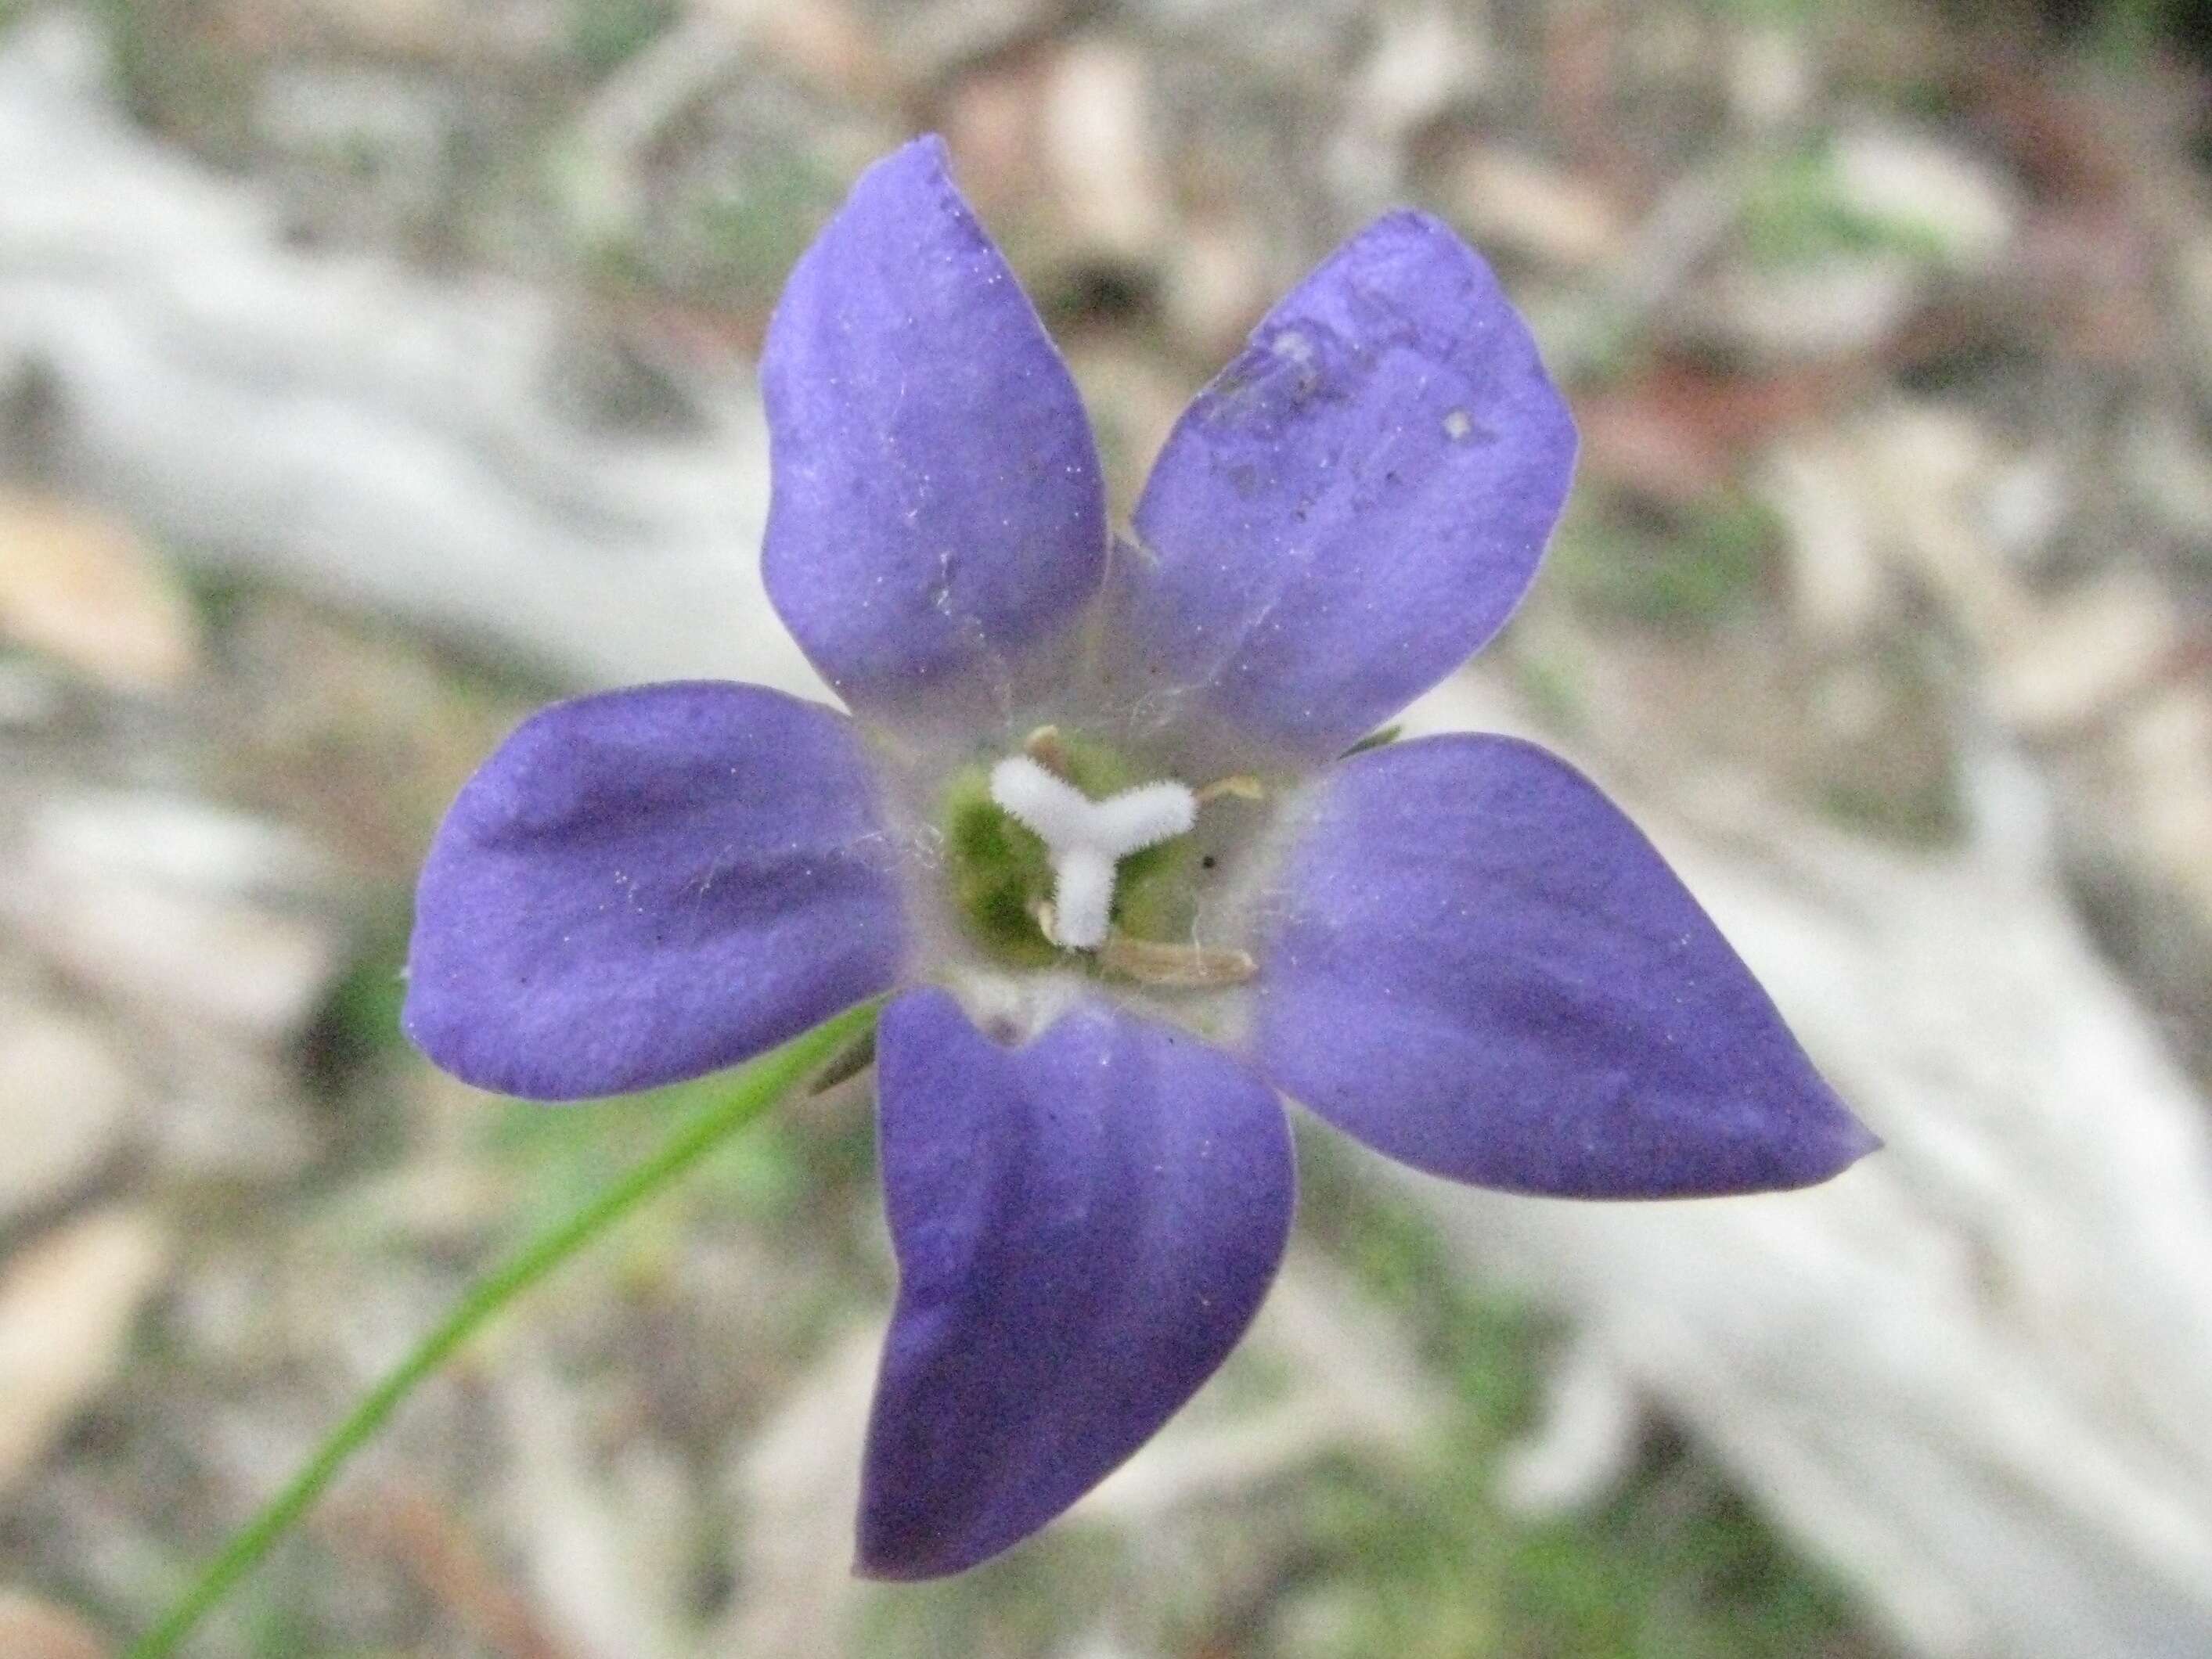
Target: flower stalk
<point>751,1092</point>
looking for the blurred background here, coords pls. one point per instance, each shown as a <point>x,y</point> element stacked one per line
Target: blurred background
<point>373,370</point>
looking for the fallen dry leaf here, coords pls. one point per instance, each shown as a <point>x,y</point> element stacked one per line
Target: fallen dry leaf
<point>1678,430</point>
<point>67,1302</point>
<point>80,586</point>
<point>65,1100</point>
<point>1098,133</point>
<point>31,1629</point>
<point>1509,198</point>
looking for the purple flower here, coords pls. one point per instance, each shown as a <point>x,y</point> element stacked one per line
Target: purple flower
<point>1093,820</point>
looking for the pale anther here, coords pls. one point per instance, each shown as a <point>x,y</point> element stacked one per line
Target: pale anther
<point>1048,750</point>
<point>1087,838</point>
<point>1243,785</point>
<point>1177,966</point>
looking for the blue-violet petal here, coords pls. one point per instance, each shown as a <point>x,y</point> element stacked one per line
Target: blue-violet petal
<point>645,885</point>
<point>1352,507</point>
<point>1482,968</point>
<point>936,510</point>
<point>1085,1226</point>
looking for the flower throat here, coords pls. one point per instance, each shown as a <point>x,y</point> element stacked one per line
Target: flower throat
<point>1061,854</point>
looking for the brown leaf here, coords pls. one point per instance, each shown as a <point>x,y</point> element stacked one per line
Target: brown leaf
<point>67,1303</point>
<point>80,586</point>
<point>1680,431</point>
<point>31,1629</point>
<point>66,1104</point>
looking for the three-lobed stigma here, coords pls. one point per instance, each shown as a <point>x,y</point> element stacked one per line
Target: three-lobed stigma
<point>1086,839</point>
<point>1059,856</point>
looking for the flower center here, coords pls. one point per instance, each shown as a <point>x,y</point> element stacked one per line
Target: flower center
<point>1086,839</point>
<point>1060,850</point>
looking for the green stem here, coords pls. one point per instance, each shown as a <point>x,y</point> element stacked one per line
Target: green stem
<point>751,1093</point>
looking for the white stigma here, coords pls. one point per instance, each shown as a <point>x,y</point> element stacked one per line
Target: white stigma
<point>1087,838</point>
